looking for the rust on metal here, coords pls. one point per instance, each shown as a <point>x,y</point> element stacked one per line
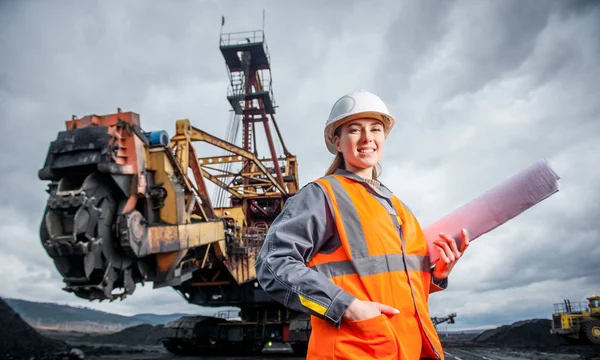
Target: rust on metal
<point>169,177</point>
<point>163,239</point>
<point>165,261</point>
<point>166,238</point>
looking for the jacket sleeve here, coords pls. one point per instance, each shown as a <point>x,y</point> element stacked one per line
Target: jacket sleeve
<point>437,284</point>
<point>303,228</point>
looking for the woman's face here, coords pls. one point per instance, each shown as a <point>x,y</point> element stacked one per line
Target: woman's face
<point>361,142</point>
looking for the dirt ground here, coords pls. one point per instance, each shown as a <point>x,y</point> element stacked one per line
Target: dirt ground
<point>156,352</point>
<point>472,351</point>
<point>528,339</point>
<point>453,351</point>
<point>456,347</point>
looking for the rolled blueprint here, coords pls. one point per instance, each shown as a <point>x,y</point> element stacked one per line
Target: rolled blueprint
<point>496,206</point>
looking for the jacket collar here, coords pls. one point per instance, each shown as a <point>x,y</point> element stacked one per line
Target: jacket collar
<point>381,191</point>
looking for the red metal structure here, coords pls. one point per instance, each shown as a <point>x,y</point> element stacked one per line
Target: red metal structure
<point>251,97</point>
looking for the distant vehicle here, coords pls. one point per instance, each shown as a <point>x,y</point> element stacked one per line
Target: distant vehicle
<point>578,322</point>
<point>440,320</point>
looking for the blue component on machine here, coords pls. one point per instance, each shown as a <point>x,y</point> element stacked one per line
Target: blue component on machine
<point>157,138</point>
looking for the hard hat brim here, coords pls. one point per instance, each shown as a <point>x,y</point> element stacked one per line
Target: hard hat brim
<point>387,120</point>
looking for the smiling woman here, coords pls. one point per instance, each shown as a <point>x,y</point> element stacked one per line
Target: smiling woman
<point>348,252</point>
<point>366,118</point>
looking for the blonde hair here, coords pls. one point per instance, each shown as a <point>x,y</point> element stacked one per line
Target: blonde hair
<point>339,162</point>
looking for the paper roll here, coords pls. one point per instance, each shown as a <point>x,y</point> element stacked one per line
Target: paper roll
<point>496,206</point>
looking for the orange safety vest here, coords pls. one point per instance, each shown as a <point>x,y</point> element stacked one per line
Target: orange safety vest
<point>383,258</point>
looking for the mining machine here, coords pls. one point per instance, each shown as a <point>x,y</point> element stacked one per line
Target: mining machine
<point>578,322</point>
<point>128,206</point>
<point>440,320</point>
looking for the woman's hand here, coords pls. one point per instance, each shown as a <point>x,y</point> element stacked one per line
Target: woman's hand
<point>362,310</point>
<point>449,254</point>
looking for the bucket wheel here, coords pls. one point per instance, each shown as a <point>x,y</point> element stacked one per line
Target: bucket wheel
<point>78,233</point>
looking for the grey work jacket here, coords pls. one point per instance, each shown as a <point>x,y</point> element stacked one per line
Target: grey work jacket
<point>305,227</point>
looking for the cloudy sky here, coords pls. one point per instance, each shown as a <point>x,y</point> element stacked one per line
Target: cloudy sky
<point>480,90</point>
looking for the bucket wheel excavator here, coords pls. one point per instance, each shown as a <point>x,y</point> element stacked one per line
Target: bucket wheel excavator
<point>127,206</point>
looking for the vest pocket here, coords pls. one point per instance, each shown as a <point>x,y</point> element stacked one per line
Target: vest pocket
<point>366,339</point>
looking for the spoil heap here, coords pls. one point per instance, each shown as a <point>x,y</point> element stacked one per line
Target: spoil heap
<point>18,340</point>
<point>136,335</point>
<point>527,333</point>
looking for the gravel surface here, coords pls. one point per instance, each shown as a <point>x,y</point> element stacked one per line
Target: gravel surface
<point>535,332</point>
<point>135,335</point>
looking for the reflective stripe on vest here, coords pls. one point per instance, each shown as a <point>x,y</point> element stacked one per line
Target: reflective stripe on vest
<point>374,265</point>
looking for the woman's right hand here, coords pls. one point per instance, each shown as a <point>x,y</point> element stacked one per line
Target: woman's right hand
<point>362,310</point>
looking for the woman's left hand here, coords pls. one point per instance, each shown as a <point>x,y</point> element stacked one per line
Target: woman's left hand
<point>449,253</point>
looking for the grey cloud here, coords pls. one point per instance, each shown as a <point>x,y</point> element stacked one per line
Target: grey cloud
<point>563,253</point>
<point>480,40</point>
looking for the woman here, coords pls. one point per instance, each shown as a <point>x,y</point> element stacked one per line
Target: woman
<point>347,251</point>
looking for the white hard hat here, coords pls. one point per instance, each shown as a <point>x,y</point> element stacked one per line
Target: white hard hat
<point>356,105</point>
